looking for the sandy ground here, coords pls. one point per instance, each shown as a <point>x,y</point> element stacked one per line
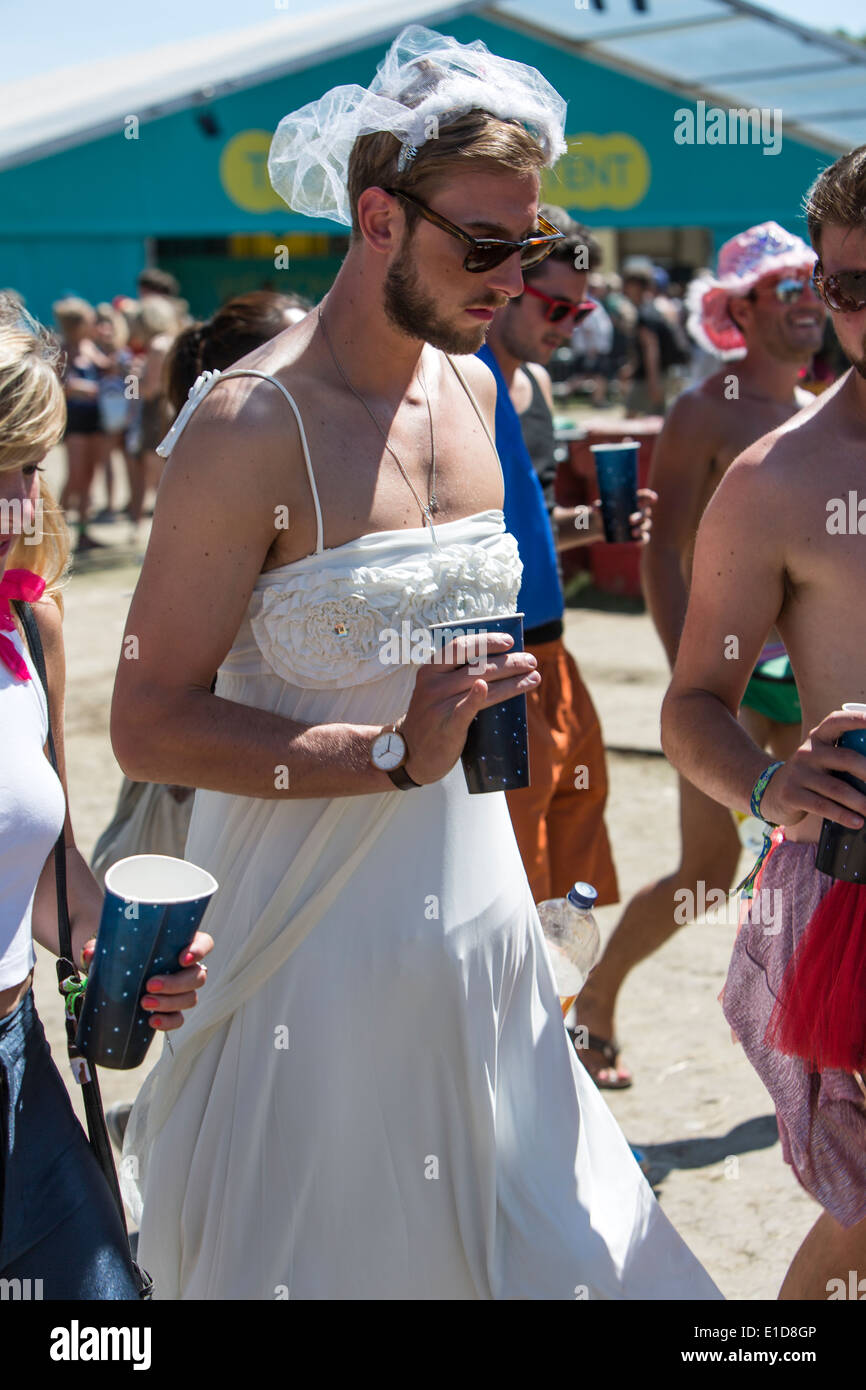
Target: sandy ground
<point>697,1109</point>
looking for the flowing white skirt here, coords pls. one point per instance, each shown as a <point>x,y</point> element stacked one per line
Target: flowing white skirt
<point>376,1097</point>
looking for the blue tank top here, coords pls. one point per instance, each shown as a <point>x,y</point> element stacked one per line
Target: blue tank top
<point>540,598</point>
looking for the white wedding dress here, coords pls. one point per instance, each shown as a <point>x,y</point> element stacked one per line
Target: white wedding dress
<point>375,1097</point>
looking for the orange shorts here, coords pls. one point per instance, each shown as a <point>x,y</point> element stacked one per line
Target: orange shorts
<point>559,826</point>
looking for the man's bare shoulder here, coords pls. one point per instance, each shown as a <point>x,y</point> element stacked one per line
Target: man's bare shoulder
<point>706,396</point>
<point>291,356</point>
<point>480,380</point>
<point>779,465</point>
<point>541,374</point>
<point>240,409</point>
<point>692,436</point>
<point>696,412</point>
<point>543,379</point>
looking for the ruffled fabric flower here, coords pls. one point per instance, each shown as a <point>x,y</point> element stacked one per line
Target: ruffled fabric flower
<point>321,630</point>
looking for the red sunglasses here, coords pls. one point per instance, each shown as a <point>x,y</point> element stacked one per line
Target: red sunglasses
<point>559,309</point>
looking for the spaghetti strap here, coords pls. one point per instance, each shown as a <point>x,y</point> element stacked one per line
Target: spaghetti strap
<point>467,388</point>
<point>197,393</point>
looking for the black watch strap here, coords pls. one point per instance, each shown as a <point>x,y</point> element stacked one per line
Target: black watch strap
<point>400,777</point>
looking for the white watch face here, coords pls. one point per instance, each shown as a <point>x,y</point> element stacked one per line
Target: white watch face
<point>388,751</point>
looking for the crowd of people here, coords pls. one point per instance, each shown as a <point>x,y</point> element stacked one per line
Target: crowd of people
<point>112,355</point>
<point>458,1146</point>
<point>121,393</point>
<point>638,350</point>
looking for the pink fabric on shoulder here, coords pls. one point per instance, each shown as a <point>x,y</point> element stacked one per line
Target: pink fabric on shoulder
<point>20,584</point>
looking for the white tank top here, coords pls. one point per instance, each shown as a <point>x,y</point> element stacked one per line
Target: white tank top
<point>32,811</point>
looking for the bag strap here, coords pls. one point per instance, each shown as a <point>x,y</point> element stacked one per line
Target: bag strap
<point>69,980</point>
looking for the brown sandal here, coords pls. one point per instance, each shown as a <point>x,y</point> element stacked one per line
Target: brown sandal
<point>609,1050</point>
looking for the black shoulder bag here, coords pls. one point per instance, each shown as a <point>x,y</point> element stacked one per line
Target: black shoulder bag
<point>68,978</point>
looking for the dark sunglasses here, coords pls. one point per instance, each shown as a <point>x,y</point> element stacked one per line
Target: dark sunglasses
<point>845,291</point>
<point>488,252</point>
<point>786,291</point>
<point>559,309</point>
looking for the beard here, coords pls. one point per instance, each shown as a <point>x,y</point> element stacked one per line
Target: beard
<point>414,312</point>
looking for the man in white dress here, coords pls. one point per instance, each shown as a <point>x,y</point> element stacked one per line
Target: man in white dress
<point>378,1098</point>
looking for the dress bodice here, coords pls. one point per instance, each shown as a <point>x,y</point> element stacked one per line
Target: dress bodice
<point>343,616</point>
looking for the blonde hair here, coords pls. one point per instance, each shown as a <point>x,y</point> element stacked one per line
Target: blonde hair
<point>155,315</point>
<point>32,420</point>
<point>106,313</point>
<point>71,311</point>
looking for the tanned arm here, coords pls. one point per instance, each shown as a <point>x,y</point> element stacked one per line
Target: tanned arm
<point>215,519</point>
<point>681,462</point>
<point>737,594</point>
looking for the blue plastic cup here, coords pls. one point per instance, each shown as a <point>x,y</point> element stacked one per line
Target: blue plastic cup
<point>495,755</point>
<point>841,851</point>
<point>152,910</point>
<point>616,469</point>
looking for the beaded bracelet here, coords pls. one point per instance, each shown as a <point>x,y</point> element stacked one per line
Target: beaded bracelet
<point>758,791</point>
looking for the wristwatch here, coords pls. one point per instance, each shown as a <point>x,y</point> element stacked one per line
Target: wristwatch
<point>389,753</point>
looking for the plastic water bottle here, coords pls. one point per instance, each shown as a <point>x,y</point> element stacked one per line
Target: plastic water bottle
<point>572,938</point>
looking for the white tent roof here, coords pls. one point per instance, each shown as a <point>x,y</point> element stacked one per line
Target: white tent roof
<point>54,111</point>
<point>730,52</point>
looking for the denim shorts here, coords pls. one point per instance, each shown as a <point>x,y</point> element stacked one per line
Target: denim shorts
<point>58,1221</point>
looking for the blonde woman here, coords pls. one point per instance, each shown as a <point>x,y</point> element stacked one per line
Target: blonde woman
<point>111,335</point>
<point>58,1223</point>
<point>84,367</point>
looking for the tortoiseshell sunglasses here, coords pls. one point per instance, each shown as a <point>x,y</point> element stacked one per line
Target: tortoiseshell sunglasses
<point>486,253</point>
<point>845,291</point>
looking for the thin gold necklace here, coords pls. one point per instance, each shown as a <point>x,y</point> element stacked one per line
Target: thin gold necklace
<point>432,505</point>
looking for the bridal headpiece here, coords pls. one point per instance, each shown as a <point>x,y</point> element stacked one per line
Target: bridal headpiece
<point>424,81</point>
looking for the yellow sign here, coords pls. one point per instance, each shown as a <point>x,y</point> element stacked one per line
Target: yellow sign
<point>599,171</point>
<point>244,172</point>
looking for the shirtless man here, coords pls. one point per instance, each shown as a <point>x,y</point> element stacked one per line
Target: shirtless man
<point>769,552</point>
<point>762,302</point>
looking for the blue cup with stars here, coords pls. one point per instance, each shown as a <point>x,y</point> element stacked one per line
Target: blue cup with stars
<point>153,908</point>
<point>495,755</point>
<point>616,468</point>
